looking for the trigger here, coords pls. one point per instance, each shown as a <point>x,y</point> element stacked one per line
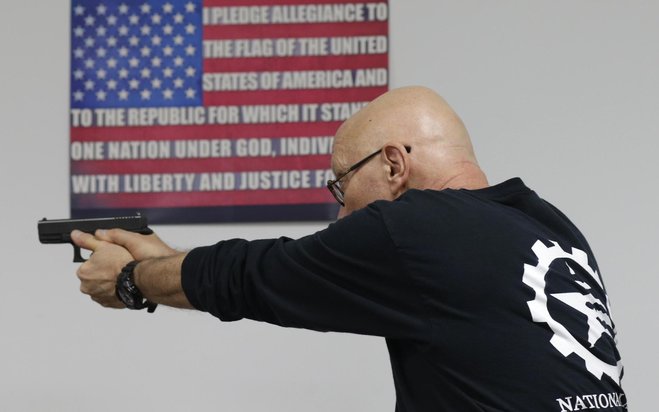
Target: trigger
<point>77,257</point>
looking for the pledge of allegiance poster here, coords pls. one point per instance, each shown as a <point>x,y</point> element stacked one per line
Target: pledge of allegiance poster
<point>221,110</point>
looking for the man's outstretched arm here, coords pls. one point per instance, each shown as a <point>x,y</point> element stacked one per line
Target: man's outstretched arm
<point>348,277</point>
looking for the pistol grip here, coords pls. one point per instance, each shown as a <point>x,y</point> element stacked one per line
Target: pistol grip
<point>77,256</point>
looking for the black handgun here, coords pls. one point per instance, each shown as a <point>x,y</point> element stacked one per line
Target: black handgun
<point>59,230</point>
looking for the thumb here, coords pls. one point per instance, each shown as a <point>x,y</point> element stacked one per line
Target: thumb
<point>84,240</point>
<point>119,237</point>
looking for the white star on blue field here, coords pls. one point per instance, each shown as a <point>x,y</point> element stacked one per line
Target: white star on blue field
<point>136,53</point>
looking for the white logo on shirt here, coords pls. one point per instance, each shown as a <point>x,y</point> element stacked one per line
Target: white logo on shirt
<point>596,311</point>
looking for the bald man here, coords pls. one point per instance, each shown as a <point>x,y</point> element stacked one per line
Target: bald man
<point>489,298</point>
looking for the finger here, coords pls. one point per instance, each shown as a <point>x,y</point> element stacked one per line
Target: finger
<point>94,288</point>
<point>85,273</point>
<point>84,240</point>
<point>121,237</point>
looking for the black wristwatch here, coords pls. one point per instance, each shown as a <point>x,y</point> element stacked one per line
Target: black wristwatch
<point>127,291</point>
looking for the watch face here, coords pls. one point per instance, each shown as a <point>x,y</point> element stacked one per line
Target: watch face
<point>126,290</point>
<point>125,296</point>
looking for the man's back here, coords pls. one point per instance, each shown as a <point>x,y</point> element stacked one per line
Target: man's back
<point>520,320</point>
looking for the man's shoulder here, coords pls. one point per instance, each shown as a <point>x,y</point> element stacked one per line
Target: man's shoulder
<point>458,200</point>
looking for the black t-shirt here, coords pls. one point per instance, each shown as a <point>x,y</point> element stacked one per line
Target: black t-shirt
<point>490,300</point>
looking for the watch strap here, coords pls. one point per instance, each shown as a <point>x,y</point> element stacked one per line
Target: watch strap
<point>128,292</point>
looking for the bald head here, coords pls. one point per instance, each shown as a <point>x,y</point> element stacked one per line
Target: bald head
<point>442,155</point>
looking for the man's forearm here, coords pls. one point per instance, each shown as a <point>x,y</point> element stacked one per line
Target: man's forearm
<point>159,280</point>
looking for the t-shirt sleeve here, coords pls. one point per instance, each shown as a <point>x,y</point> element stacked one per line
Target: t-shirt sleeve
<point>346,278</point>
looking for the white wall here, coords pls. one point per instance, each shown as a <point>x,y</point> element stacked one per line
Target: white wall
<point>562,93</point>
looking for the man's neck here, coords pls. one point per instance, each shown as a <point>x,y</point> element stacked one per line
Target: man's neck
<point>468,176</point>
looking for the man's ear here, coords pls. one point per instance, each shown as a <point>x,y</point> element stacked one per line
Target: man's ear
<point>397,160</point>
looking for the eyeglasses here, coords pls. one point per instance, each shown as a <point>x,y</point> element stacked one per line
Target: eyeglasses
<point>334,185</point>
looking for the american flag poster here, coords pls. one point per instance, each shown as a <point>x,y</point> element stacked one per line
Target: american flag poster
<point>216,110</point>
